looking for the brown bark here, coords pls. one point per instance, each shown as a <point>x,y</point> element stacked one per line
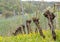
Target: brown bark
<point>28,22</point>
<point>20,30</point>
<point>50,16</point>
<point>52,29</point>
<point>36,21</point>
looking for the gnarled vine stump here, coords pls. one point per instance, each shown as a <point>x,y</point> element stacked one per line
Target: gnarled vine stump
<point>36,21</point>
<point>50,16</point>
<point>28,22</point>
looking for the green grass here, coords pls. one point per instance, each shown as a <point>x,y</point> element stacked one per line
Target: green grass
<point>9,25</point>
<point>32,37</point>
